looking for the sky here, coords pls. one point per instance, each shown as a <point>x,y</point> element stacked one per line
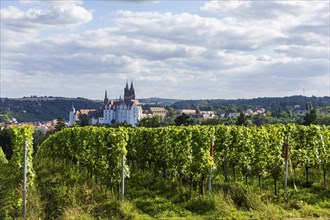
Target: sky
<point>177,49</point>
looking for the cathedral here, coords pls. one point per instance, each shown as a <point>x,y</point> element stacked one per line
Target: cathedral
<point>124,110</point>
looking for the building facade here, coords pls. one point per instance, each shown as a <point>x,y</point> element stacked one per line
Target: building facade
<point>124,110</point>
<point>154,111</point>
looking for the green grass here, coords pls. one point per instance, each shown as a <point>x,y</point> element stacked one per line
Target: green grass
<point>69,193</point>
<point>65,191</point>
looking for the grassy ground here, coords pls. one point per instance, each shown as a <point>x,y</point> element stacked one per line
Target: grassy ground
<point>65,191</point>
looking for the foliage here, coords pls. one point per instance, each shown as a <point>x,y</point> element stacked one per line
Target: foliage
<point>97,149</point>
<point>38,138</point>
<point>6,141</point>
<point>183,120</point>
<point>241,120</point>
<point>310,117</point>
<point>249,151</point>
<point>44,109</point>
<point>3,159</point>
<point>150,122</point>
<point>4,117</point>
<point>60,124</point>
<point>120,124</point>
<point>83,120</point>
<point>78,171</point>
<point>267,103</point>
<point>70,193</point>
<point>11,174</point>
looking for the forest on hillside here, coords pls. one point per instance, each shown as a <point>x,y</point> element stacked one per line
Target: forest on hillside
<point>25,110</point>
<point>44,110</point>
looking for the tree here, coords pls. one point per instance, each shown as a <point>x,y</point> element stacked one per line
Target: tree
<point>170,112</point>
<point>310,117</point>
<point>183,120</point>
<point>83,120</point>
<point>309,106</point>
<point>170,117</point>
<point>150,122</point>
<point>60,124</point>
<point>212,121</point>
<point>241,120</point>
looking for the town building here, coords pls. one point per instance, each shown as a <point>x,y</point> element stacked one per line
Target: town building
<point>191,112</point>
<point>154,111</point>
<point>207,114</point>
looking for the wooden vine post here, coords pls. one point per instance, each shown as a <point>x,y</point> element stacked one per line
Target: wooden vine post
<point>24,180</point>
<point>286,165</point>
<point>210,169</point>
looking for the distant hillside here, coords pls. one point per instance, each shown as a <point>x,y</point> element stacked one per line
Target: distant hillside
<point>282,103</point>
<point>154,101</point>
<point>30,109</point>
<point>42,108</point>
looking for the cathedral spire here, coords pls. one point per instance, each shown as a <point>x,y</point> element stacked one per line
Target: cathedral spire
<point>131,91</point>
<point>106,100</point>
<point>126,91</point>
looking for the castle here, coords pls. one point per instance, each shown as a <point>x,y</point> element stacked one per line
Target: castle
<point>124,110</point>
<point>127,110</point>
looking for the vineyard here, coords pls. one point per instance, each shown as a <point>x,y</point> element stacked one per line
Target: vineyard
<point>201,161</point>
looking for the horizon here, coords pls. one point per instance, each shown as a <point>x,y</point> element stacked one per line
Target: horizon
<point>177,99</point>
<point>188,49</point>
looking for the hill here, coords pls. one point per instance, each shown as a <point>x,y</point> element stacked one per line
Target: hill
<point>270,103</point>
<point>31,109</point>
<point>43,108</point>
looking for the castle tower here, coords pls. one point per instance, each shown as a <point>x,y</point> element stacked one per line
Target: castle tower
<point>126,93</point>
<point>106,100</point>
<point>131,90</point>
<point>129,93</point>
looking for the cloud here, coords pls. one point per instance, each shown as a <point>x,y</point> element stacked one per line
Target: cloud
<point>307,51</point>
<point>26,1</point>
<point>139,1</point>
<point>265,10</point>
<point>187,28</point>
<point>54,15</point>
<point>281,78</point>
<point>177,55</point>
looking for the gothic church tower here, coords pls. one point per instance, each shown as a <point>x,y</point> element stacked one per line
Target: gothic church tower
<point>106,100</point>
<point>129,93</point>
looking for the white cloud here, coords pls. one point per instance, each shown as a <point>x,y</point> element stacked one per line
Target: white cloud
<point>193,29</point>
<point>265,10</point>
<point>56,14</point>
<point>307,51</point>
<point>139,1</point>
<point>235,53</point>
<point>27,1</point>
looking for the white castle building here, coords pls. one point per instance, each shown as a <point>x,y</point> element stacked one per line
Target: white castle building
<point>124,110</point>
